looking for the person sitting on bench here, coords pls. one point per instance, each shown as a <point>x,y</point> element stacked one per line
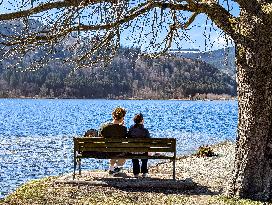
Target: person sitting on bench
<point>138,131</point>
<point>115,129</point>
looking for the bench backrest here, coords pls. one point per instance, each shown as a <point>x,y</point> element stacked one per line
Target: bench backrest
<point>125,145</point>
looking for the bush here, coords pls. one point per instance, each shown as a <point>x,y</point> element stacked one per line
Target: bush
<point>205,151</point>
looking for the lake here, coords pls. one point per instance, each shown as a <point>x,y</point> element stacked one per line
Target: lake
<point>36,135</point>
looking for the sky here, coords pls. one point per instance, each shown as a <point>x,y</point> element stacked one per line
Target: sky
<point>203,34</point>
<point>195,35</point>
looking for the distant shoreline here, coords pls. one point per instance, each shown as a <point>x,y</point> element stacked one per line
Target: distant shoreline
<point>173,99</point>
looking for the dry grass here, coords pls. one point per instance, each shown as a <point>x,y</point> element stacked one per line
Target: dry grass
<point>45,191</point>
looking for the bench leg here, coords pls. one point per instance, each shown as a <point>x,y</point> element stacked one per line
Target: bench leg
<point>79,166</point>
<point>174,169</point>
<point>75,164</point>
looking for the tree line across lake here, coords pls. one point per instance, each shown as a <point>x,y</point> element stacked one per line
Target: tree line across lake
<point>127,76</point>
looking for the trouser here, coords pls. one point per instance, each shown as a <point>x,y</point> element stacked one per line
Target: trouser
<point>136,166</point>
<point>119,162</point>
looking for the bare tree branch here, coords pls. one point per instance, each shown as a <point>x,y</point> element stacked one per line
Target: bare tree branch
<point>216,12</point>
<point>49,6</point>
<point>104,20</point>
<point>190,20</point>
<point>220,16</point>
<point>246,3</point>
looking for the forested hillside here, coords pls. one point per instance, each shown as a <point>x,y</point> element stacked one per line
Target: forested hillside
<point>128,76</point>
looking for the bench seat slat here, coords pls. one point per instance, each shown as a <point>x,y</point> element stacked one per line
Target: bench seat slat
<point>130,157</point>
<point>101,139</point>
<point>126,149</point>
<point>136,145</point>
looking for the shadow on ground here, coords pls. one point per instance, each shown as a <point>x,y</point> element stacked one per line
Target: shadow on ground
<point>125,182</point>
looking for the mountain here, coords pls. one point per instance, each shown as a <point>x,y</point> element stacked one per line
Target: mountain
<point>223,59</point>
<point>128,76</point>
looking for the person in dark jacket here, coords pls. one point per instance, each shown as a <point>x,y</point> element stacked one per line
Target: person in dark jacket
<point>138,131</point>
<point>115,129</point>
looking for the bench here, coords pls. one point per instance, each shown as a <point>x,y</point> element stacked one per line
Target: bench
<point>98,147</point>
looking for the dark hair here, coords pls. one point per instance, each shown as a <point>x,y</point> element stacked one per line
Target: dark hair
<point>91,133</point>
<point>138,118</point>
<point>118,113</point>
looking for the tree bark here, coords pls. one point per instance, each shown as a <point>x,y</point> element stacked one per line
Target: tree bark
<point>252,175</point>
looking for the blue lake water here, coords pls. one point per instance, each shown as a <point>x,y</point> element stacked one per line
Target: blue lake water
<point>36,135</point>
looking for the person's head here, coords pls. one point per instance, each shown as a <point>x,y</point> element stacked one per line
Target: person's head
<point>118,113</point>
<point>138,118</point>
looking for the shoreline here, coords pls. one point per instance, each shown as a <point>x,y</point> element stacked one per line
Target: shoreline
<point>138,99</point>
<point>207,175</point>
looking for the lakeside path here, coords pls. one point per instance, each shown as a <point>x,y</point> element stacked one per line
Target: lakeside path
<point>199,181</point>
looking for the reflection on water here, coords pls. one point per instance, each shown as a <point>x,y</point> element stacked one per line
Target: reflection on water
<point>36,135</point>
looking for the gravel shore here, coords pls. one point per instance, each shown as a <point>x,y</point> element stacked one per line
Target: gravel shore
<point>211,172</point>
<point>199,180</point>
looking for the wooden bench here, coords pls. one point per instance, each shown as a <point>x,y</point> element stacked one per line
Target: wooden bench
<point>165,148</point>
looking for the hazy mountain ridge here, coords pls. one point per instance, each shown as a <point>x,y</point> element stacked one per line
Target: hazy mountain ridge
<point>223,59</point>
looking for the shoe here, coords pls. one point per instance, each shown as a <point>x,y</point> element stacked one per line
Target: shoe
<point>117,169</point>
<point>145,175</point>
<point>136,175</point>
<point>112,172</point>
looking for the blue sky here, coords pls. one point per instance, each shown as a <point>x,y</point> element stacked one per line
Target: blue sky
<point>195,36</point>
<point>202,34</point>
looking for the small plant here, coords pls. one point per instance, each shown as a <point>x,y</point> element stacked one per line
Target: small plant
<point>205,151</point>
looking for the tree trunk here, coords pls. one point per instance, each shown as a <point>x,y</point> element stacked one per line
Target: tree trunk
<point>252,175</point>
